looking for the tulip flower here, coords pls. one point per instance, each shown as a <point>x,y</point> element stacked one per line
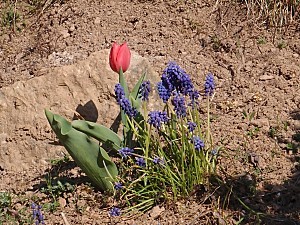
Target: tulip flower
<point>119,57</point>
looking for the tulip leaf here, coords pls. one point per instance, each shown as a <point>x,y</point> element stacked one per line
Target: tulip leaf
<point>89,156</point>
<point>99,132</point>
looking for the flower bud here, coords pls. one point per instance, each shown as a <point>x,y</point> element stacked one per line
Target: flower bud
<point>119,57</point>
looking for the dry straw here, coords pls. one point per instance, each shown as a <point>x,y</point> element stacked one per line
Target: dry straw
<point>275,13</point>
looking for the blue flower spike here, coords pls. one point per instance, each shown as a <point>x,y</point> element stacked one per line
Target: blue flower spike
<point>145,90</point>
<point>125,152</point>
<point>37,214</point>
<point>114,211</point>
<point>158,160</point>
<point>156,118</point>
<point>198,143</point>
<point>140,161</point>
<point>118,186</point>
<point>209,85</point>
<point>124,102</point>
<point>191,126</point>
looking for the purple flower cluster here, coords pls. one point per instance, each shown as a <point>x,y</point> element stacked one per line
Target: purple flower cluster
<point>114,211</point>
<point>158,160</point>
<point>140,161</point>
<point>156,118</point>
<point>191,126</point>
<point>179,105</point>
<point>176,79</point>
<point>37,214</point>
<point>124,102</point>
<point>194,96</point>
<point>145,89</point>
<point>214,152</point>
<point>209,84</point>
<point>198,143</point>
<point>125,152</point>
<point>163,92</point>
<point>118,185</point>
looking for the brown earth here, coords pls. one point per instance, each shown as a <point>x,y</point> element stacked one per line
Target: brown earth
<point>256,107</point>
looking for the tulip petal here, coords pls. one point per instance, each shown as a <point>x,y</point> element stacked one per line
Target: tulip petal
<point>123,58</point>
<point>113,57</point>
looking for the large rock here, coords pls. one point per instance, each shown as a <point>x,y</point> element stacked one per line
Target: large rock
<point>87,87</point>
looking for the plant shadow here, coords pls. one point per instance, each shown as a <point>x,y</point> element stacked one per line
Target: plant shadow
<point>64,171</point>
<point>275,204</point>
<point>88,112</point>
<point>270,203</point>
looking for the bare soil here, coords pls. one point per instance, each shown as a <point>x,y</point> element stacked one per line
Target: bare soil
<point>256,111</point>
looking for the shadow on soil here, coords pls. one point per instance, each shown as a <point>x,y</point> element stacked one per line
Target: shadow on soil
<point>275,204</point>
<point>61,175</point>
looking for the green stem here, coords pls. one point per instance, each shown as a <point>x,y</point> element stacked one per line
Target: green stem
<point>208,134</point>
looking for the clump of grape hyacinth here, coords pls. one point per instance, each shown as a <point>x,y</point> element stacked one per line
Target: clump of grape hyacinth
<point>145,90</point>
<point>124,102</point>
<point>198,143</point>
<point>156,118</point>
<point>209,84</point>
<point>125,152</point>
<point>114,211</point>
<point>37,214</point>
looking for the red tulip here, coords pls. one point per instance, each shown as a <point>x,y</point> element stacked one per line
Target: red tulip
<point>119,57</point>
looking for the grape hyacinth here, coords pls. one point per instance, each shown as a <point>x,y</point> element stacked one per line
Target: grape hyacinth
<point>118,186</point>
<point>191,126</point>
<point>124,102</point>
<point>140,161</point>
<point>214,152</point>
<point>179,105</point>
<point>209,84</point>
<point>145,89</point>
<point>175,78</point>
<point>194,96</point>
<point>125,152</point>
<point>158,160</point>
<point>156,118</point>
<point>37,214</point>
<point>163,92</point>
<point>198,143</point>
<point>119,92</point>
<point>114,211</point>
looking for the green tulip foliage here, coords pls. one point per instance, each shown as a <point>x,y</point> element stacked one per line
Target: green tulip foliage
<point>90,157</point>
